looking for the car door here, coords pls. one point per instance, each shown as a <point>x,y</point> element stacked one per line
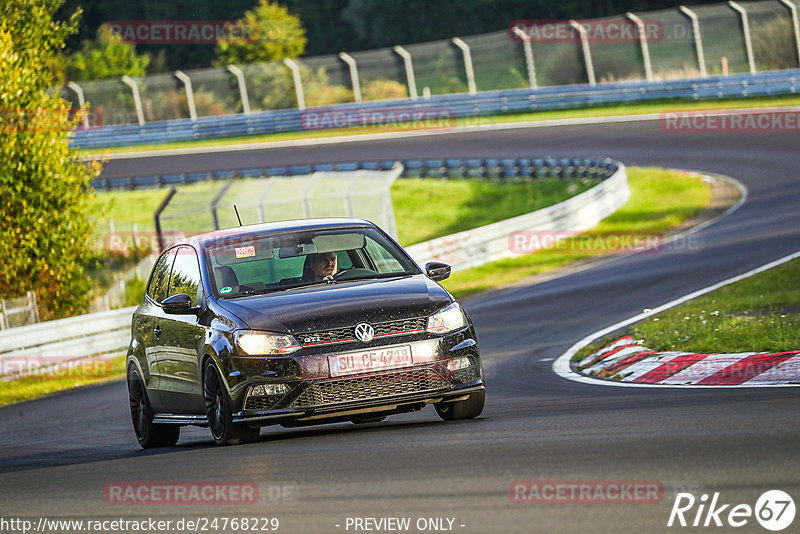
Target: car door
<point>144,325</point>
<point>182,340</point>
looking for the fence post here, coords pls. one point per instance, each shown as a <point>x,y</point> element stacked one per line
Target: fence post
<point>526,45</point>
<point>236,71</point>
<point>298,82</point>
<point>3,315</point>
<point>137,99</point>
<point>215,201</point>
<point>157,218</point>
<point>795,24</point>
<point>587,51</point>
<point>648,66</point>
<point>34,305</point>
<point>307,195</point>
<point>78,90</point>
<point>467,64</point>
<point>748,41</point>
<point>354,81</point>
<point>412,82</point>
<point>698,39</point>
<point>187,85</point>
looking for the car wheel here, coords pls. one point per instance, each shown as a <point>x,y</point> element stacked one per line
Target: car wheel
<point>219,411</point>
<point>466,409</point>
<point>148,434</point>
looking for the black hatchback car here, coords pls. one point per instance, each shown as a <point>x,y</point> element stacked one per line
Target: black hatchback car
<point>296,323</point>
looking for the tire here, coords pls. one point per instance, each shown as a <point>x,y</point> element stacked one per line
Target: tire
<point>148,434</point>
<point>466,409</point>
<point>219,410</point>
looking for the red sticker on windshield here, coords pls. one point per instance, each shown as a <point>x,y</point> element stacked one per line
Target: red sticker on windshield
<point>245,252</point>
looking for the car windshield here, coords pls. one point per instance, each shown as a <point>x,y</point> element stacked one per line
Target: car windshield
<point>263,264</point>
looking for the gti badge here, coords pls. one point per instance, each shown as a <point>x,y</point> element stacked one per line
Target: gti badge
<point>364,332</point>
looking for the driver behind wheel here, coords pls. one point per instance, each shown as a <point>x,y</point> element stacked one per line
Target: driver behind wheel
<point>320,266</point>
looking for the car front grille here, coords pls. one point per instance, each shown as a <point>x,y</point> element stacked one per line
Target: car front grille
<point>370,387</point>
<point>260,403</point>
<point>341,335</point>
<point>465,376</point>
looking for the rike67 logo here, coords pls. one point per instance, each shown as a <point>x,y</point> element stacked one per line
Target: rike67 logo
<point>774,510</point>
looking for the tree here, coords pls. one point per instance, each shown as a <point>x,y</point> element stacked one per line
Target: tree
<point>106,57</point>
<point>44,225</point>
<point>274,34</point>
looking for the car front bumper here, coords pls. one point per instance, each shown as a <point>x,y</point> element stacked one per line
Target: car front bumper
<point>439,373</point>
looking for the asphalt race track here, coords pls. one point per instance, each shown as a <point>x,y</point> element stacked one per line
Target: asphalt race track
<point>58,454</point>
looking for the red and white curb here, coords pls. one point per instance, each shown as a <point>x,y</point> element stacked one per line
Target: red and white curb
<point>562,365</point>
<point>627,361</point>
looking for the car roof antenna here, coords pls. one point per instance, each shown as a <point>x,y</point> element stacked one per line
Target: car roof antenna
<point>237,215</point>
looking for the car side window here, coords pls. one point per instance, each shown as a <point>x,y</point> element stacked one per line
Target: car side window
<point>157,288</point>
<point>185,276</point>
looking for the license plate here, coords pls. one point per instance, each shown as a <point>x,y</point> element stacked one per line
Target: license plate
<point>371,360</point>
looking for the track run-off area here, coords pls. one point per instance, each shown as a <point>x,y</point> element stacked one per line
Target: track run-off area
<point>539,430</point>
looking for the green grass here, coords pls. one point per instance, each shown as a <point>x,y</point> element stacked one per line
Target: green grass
<point>52,382</point>
<point>761,314</point>
<point>660,201</point>
<point>424,208</point>
<point>598,111</point>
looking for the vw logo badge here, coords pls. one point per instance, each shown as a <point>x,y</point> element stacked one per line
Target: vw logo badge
<point>365,332</point>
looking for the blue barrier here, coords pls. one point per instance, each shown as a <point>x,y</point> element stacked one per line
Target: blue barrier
<point>454,105</point>
<point>499,169</point>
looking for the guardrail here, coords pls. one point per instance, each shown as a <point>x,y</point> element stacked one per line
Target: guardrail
<point>25,349</point>
<point>479,246</point>
<point>457,105</point>
<point>52,343</point>
<point>488,168</point>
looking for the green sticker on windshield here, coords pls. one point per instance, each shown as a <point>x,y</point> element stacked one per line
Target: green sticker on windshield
<point>225,290</point>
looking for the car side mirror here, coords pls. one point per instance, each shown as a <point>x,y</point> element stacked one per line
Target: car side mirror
<point>180,304</point>
<point>437,271</point>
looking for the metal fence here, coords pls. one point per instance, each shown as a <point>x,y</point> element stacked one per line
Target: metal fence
<point>19,312</point>
<point>450,106</point>
<point>325,193</point>
<point>724,38</point>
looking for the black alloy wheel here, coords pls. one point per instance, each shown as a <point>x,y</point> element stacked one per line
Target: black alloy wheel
<point>219,411</point>
<point>148,434</point>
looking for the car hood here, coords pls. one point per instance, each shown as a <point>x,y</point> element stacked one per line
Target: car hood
<point>325,307</point>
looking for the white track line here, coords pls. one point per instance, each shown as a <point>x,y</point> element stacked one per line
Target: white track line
<point>562,368</point>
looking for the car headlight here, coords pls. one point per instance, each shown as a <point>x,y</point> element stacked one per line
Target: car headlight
<point>261,343</point>
<point>447,319</point>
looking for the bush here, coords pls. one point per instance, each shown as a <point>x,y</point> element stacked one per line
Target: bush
<point>383,90</point>
<point>45,231</point>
